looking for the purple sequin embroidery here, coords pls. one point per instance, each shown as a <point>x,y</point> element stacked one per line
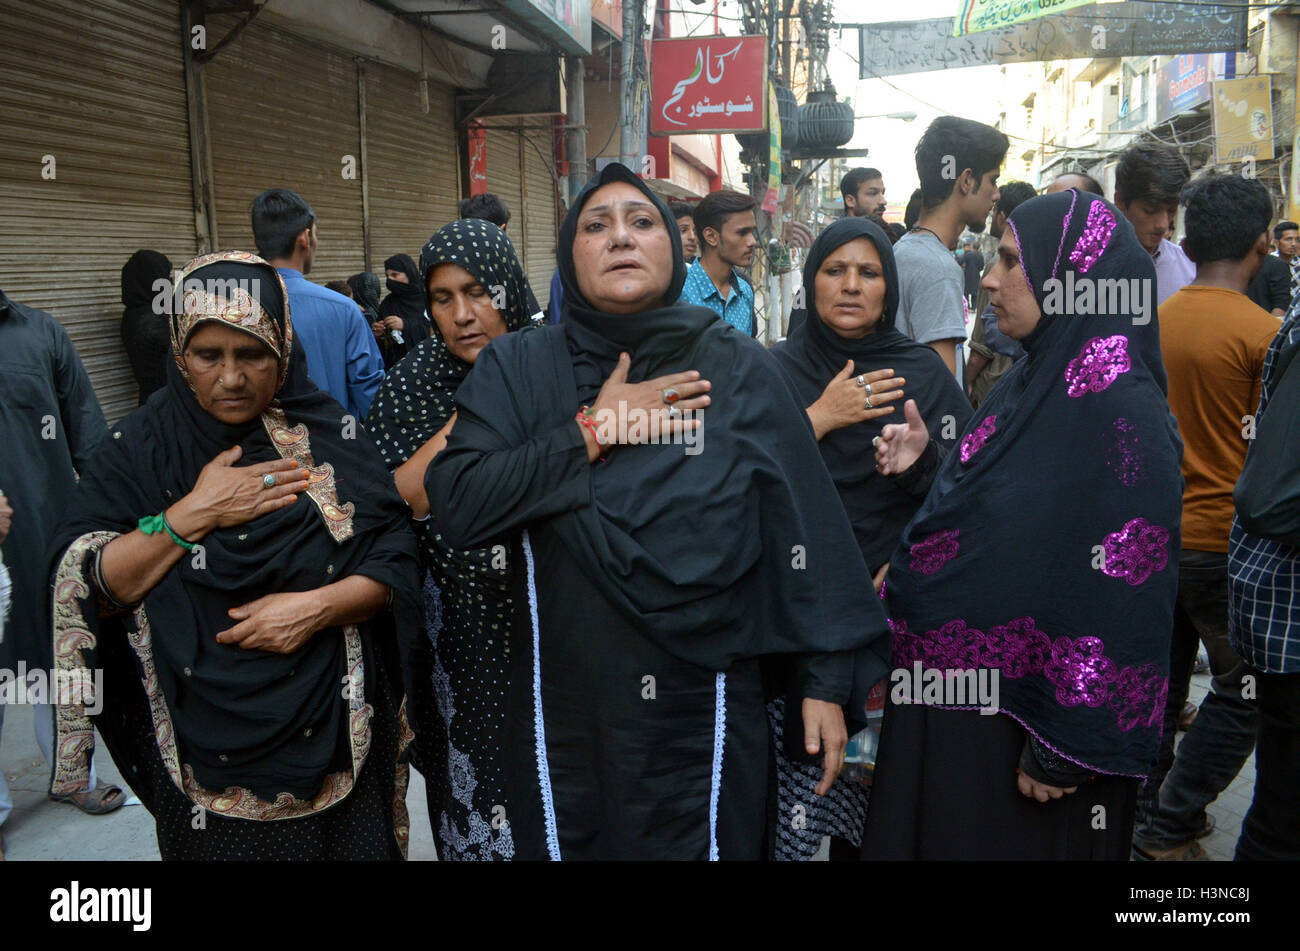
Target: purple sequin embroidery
<point>1123,455</point>
<point>1101,360</point>
<point>1096,235</point>
<point>1136,551</point>
<point>977,437</point>
<point>1077,667</point>
<point>1080,671</point>
<point>931,554</point>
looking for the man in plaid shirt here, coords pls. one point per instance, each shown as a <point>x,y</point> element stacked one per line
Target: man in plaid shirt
<point>1264,610</point>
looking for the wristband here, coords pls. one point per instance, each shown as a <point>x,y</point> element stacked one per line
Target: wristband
<point>586,421</point>
<point>153,524</point>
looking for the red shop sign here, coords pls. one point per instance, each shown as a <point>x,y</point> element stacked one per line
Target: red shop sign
<point>477,157</point>
<point>708,84</point>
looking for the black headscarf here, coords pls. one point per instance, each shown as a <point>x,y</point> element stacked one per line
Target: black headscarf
<point>418,396</point>
<point>350,521</point>
<point>365,291</point>
<point>1047,547</point>
<point>814,353</point>
<point>740,550</point>
<point>406,300</point>
<point>145,333</point>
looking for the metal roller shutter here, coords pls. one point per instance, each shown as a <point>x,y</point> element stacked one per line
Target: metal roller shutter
<point>537,235</point>
<point>282,112</point>
<point>100,86</point>
<point>504,174</point>
<point>413,178</point>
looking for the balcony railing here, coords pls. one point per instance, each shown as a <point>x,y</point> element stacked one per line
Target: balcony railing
<point>1133,119</point>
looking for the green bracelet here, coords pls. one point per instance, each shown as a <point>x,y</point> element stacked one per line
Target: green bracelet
<point>153,524</point>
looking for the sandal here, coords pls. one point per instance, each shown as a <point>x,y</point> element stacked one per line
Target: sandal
<point>100,801</point>
<point>1188,852</point>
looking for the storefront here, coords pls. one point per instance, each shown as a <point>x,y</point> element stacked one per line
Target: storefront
<point>97,122</point>
<point>94,164</point>
<point>520,159</point>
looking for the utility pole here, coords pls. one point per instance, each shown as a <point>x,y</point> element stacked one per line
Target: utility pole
<point>631,87</point>
<point>575,144</point>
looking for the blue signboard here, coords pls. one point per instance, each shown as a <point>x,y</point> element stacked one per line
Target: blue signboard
<point>1187,80</point>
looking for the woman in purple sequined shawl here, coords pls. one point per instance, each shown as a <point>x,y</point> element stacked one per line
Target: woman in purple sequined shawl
<point>1039,576</point>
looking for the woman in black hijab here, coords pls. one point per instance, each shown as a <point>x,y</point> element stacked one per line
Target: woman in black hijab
<point>402,312</point>
<point>848,364</point>
<point>365,291</point>
<point>1039,568</point>
<point>476,607</point>
<point>145,333</point>
<point>663,554</point>
<point>267,566</point>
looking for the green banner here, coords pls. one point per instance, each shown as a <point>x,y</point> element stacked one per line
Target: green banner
<point>974,16</point>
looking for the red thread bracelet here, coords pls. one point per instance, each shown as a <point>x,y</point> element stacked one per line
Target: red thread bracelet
<point>584,419</point>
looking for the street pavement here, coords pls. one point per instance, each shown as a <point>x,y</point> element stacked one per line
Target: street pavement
<point>38,829</point>
<point>41,830</point>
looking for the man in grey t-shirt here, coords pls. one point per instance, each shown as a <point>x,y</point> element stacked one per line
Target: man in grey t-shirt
<point>957,162</point>
<point>931,289</point>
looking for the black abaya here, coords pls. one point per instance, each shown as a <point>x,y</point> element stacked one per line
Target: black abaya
<point>656,578</point>
<point>954,796</point>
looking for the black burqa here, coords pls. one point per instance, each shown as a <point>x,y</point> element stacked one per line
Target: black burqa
<point>1045,553</point>
<point>406,301</point>
<point>878,507</point>
<point>650,738</point>
<point>476,615</point>
<point>265,727</point>
<point>145,333</point>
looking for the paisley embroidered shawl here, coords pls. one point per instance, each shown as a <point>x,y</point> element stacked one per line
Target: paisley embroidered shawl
<point>249,734</point>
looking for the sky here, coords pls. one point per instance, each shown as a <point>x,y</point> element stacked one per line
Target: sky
<point>971,92</point>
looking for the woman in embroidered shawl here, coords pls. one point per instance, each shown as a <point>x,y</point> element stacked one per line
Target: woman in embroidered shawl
<point>849,365</point>
<point>475,599</point>
<point>1038,570</point>
<point>240,569</point>
<point>658,572</point>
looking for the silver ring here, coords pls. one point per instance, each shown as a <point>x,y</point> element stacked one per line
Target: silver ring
<point>869,406</point>
<point>867,387</point>
<point>670,395</point>
<point>674,412</point>
<point>875,441</point>
<point>862,379</point>
<point>268,480</point>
